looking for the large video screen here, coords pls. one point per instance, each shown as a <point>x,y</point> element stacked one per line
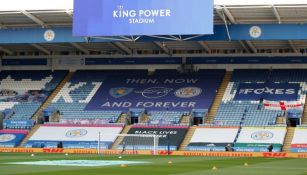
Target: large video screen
<point>142,17</point>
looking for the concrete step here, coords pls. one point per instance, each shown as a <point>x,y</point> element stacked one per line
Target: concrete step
<point>187,138</point>
<point>120,138</point>
<point>32,131</point>
<point>52,95</point>
<point>218,98</point>
<point>288,139</point>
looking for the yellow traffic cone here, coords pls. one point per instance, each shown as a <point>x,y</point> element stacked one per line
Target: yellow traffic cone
<point>214,168</point>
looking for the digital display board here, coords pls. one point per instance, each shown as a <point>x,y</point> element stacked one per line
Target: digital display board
<point>142,17</point>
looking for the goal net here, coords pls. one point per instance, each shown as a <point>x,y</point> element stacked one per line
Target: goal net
<point>132,142</point>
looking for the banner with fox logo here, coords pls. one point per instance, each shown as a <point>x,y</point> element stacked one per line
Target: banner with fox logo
<point>269,91</point>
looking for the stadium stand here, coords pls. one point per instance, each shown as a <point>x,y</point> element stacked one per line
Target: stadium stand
<point>73,136</point>
<point>242,116</point>
<point>80,97</point>
<point>165,117</point>
<point>174,117</point>
<point>23,92</point>
<point>236,109</point>
<point>72,100</point>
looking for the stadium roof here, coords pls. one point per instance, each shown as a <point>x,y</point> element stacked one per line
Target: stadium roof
<point>11,5</point>
<point>59,13</point>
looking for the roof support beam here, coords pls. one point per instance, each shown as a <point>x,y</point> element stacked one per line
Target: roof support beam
<point>205,46</point>
<point>79,47</point>
<point>162,47</point>
<point>34,18</point>
<point>295,50</point>
<point>229,15</point>
<point>251,46</point>
<point>124,49</point>
<point>40,48</point>
<point>69,13</point>
<point>246,48</point>
<point>7,51</point>
<point>276,13</point>
<point>219,13</point>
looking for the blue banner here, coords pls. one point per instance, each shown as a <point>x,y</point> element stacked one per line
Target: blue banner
<point>139,17</point>
<point>10,140</point>
<point>164,92</point>
<point>67,144</point>
<point>24,62</point>
<point>246,60</point>
<point>299,150</point>
<point>18,123</point>
<point>268,91</point>
<point>256,149</point>
<point>133,61</point>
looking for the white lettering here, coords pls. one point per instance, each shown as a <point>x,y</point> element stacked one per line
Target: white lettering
<point>267,91</point>
<point>191,105</point>
<point>107,104</point>
<point>159,104</point>
<point>141,21</point>
<point>258,91</point>
<point>117,104</point>
<point>168,12</point>
<point>155,13</point>
<point>290,91</point>
<point>248,91</point>
<point>139,104</point>
<point>279,91</point>
<point>141,81</point>
<point>166,104</point>
<point>127,104</point>
<point>180,81</point>
<point>148,104</point>
<point>65,92</point>
<point>124,13</point>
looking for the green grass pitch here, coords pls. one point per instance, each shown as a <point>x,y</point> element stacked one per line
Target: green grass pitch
<point>159,165</point>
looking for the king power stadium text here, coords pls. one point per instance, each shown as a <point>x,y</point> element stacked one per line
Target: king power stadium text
<point>141,16</point>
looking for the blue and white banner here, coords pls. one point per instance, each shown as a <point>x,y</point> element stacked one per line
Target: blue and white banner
<point>268,91</point>
<point>10,140</point>
<point>68,144</point>
<point>139,17</point>
<point>18,123</point>
<point>73,137</point>
<point>173,92</point>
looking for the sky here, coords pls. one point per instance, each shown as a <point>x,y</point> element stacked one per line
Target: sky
<point>10,5</point>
